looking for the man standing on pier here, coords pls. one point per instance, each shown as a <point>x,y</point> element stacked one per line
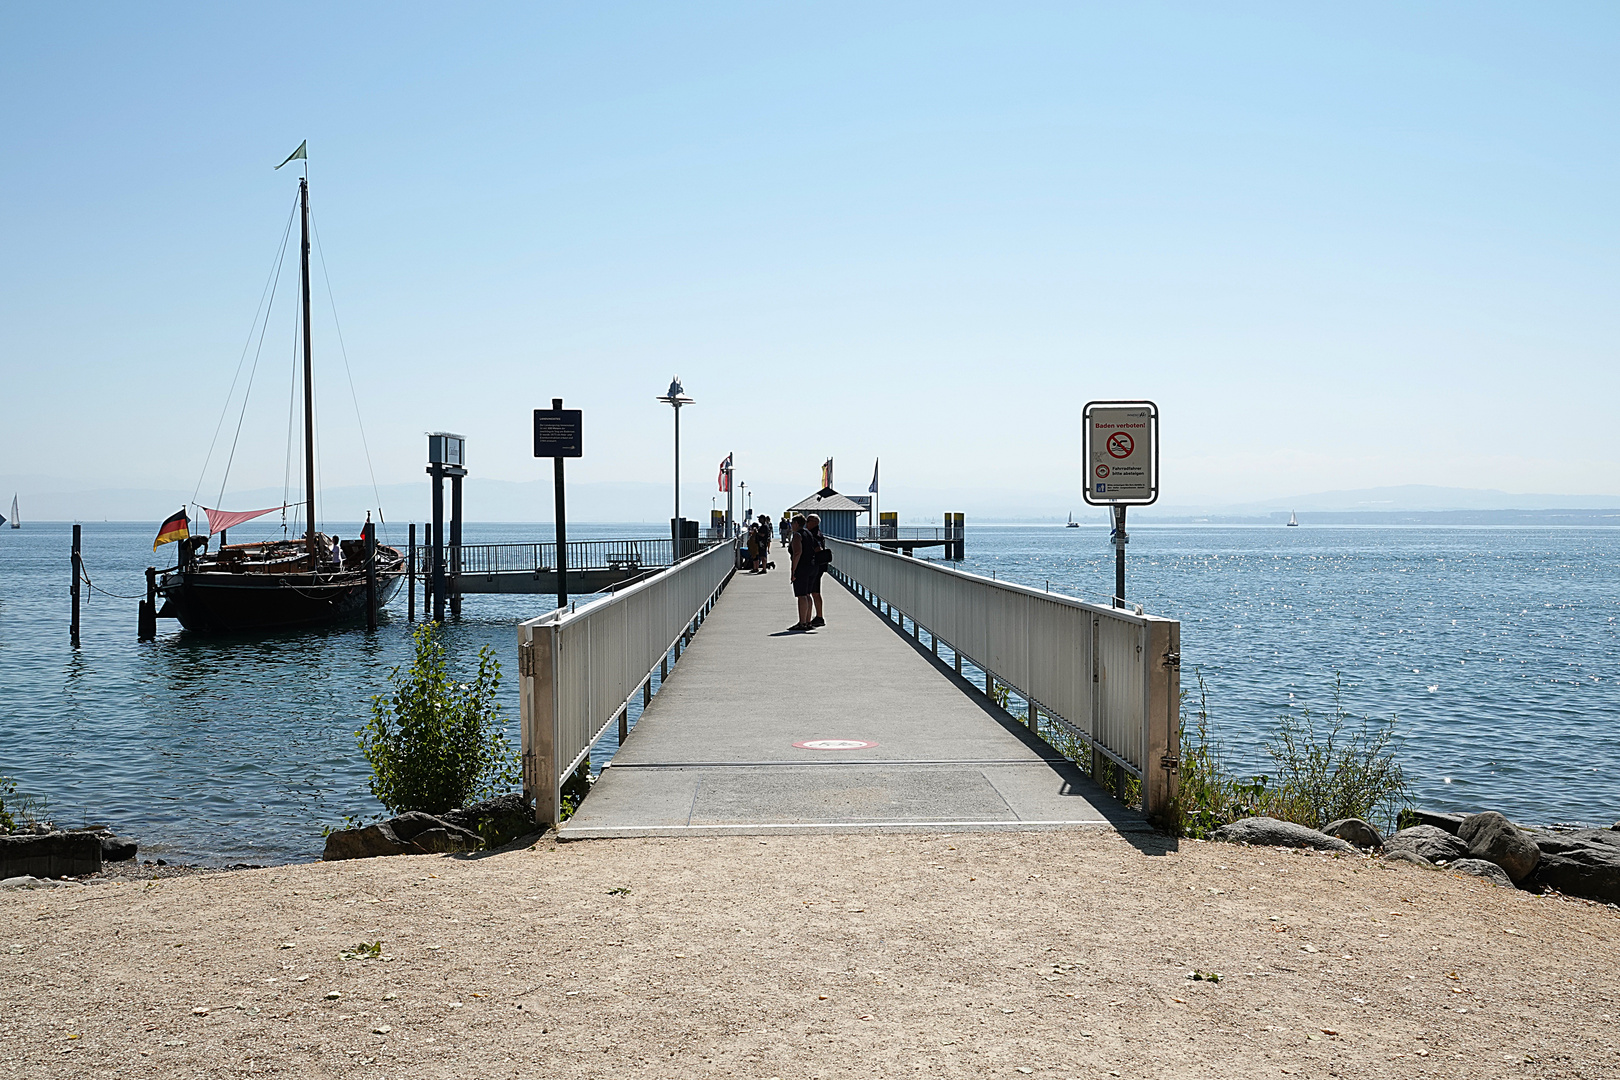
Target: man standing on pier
<point>803,572</point>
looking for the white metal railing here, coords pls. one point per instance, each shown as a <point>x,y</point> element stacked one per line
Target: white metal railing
<point>579,669</point>
<point>1108,675</point>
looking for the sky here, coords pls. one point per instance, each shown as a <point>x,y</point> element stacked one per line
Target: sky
<point>1341,246</point>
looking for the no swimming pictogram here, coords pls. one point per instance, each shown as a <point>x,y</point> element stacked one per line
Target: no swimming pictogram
<point>1120,444</point>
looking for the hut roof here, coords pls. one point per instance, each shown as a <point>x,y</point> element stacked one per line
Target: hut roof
<point>824,500</point>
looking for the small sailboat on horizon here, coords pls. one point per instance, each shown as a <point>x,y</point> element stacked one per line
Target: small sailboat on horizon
<point>1293,522</point>
<point>1073,524</point>
<point>16,518</point>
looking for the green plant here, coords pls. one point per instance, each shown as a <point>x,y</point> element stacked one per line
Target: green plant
<point>1340,769</point>
<point>434,743</point>
<point>18,810</point>
<point>8,790</point>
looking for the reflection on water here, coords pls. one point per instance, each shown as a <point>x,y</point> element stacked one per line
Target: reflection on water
<point>1496,647</point>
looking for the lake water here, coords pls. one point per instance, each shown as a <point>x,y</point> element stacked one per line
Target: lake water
<point>1495,648</point>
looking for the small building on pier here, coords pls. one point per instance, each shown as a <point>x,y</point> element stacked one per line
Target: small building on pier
<point>839,514</point>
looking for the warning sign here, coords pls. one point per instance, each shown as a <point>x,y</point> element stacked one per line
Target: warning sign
<point>1121,452</point>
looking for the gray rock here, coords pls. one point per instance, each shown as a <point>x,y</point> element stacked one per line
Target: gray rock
<point>1355,831</point>
<point>1494,838</point>
<point>1428,842</point>
<point>1409,857</point>
<point>117,848</point>
<point>1270,832</point>
<point>1585,862</point>
<point>498,821</point>
<point>413,833</point>
<point>55,854</point>
<point>1449,822</point>
<point>1484,868</point>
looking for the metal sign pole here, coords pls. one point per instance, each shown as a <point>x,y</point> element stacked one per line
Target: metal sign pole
<point>1120,540</point>
<point>562,524</point>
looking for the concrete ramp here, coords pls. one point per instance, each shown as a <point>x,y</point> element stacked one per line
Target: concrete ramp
<point>852,727</point>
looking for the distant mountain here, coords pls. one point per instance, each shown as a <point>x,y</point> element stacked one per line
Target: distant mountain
<point>1405,498</point>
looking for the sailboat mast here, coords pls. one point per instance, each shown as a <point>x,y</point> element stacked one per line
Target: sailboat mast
<point>309,381</point>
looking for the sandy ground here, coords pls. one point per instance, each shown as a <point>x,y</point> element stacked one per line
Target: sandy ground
<point>1061,954</point>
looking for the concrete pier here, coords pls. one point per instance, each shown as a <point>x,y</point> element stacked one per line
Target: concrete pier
<point>715,751</point>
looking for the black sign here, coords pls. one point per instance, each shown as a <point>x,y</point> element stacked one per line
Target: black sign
<point>557,433</point>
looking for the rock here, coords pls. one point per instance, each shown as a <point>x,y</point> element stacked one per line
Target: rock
<point>1354,831</point>
<point>117,848</point>
<point>1428,842</point>
<point>1494,838</point>
<point>1585,862</point>
<point>498,821</point>
<point>1449,822</point>
<point>55,854</point>
<point>1270,832</point>
<point>1409,857</point>
<point>413,833</point>
<point>1484,868</point>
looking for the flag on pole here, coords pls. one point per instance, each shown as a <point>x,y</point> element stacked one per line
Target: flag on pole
<point>175,527</point>
<point>872,487</point>
<point>826,475</point>
<point>725,474</point>
<point>300,154</point>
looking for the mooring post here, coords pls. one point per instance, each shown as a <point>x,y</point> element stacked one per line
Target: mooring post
<point>646,692</point>
<point>77,574</point>
<point>624,724</point>
<point>146,619</point>
<point>455,543</point>
<point>370,535</point>
<point>438,544</point>
<point>410,578</point>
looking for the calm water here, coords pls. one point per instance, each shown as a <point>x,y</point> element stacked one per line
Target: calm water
<point>1496,648</point>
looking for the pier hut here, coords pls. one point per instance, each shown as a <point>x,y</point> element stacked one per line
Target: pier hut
<point>840,515</point>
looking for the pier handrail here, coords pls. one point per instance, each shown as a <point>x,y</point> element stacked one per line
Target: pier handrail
<point>579,667</point>
<point>872,533</point>
<point>1110,676</point>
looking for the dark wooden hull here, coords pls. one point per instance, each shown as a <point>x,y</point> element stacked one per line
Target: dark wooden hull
<point>219,602</point>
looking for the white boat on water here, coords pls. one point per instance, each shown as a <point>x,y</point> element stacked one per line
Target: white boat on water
<point>1073,524</point>
<point>1293,522</point>
<point>16,519</point>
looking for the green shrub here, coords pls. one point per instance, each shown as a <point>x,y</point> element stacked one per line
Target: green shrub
<point>17,810</point>
<point>435,744</point>
<point>1324,771</point>
<point>8,790</point>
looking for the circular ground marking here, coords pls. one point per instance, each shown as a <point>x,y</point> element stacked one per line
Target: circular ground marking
<point>835,744</point>
<point>1120,444</point>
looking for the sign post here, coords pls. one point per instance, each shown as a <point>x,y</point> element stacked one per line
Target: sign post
<point>1122,467</point>
<point>558,433</point>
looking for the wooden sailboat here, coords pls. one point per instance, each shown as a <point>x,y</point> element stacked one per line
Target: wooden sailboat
<point>279,584</point>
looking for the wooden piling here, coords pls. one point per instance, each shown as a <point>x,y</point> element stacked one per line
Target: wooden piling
<point>78,575</point>
<point>410,578</point>
<point>370,534</point>
<point>146,618</point>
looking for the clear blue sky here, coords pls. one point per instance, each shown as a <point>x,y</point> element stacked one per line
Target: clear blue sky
<point>1341,245</point>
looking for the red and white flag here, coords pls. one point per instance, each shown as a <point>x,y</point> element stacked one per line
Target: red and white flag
<point>725,474</point>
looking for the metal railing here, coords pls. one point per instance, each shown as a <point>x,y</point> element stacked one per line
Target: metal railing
<point>872,533</point>
<point>1107,675</point>
<point>578,669</point>
<point>542,558</point>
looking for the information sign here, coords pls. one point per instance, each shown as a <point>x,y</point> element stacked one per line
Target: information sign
<point>557,433</point>
<point>1122,453</point>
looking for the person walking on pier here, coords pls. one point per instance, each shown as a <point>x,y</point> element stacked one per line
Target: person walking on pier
<point>765,531</point>
<point>803,576</point>
<point>787,530</point>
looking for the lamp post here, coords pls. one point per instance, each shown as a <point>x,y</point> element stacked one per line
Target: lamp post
<point>676,397</point>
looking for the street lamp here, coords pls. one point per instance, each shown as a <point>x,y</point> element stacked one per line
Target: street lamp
<point>676,397</point>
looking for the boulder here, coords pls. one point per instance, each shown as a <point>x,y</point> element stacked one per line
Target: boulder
<point>1355,831</point>
<point>1484,868</point>
<point>1409,857</point>
<point>1270,832</point>
<point>54,854</point>
<point>1494,838</point>
<point>1584,862</point>
<point>497,821</point>
<point>117,848</point>
<point>413,833</point>
<point>1428,842</point>
<point>1449,822</point>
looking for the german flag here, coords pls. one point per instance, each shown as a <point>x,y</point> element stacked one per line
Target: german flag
<point>175,527</point>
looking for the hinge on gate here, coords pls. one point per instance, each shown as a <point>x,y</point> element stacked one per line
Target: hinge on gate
<point>1172,659</point>
<point>526,659</point>
<point>1170,763</point>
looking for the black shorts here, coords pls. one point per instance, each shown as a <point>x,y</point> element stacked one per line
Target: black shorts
<point>807,583</point>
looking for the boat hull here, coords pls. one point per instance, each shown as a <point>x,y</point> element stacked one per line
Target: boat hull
<point>219,603</point>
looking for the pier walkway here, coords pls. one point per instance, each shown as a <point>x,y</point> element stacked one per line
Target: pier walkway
<point>720,748</point>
